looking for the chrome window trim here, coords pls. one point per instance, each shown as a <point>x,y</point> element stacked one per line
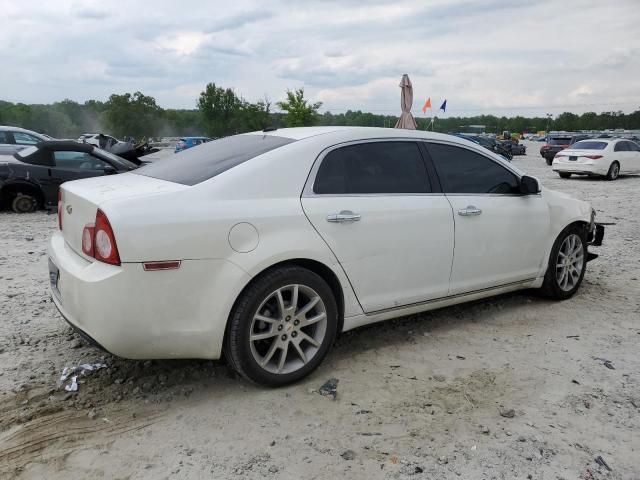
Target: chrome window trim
<point>308,192</point>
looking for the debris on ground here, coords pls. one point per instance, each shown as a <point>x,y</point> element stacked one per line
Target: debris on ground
<point>606,363</point>
<point>600,461</point>
<point>507,412</point>
<point>72,373</point>
<point>329,388</point>
<point>348,454</point>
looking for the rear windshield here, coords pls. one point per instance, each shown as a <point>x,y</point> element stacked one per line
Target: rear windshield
<point>559,141</point>
<point>589,145</point>
<point>205,161</point>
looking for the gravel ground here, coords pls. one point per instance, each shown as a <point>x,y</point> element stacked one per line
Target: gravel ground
<point>510,387</point>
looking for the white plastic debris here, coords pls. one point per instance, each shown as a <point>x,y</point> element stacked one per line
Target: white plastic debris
<point>69,377</point>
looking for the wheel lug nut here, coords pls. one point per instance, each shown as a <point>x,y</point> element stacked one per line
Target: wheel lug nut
<point>294,334</point>
<point>296,322</point>
<point>284,337</point>
<point>288,318</point>
<point>279,327</point>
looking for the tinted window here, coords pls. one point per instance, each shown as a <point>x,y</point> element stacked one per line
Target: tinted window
<point>559,141</point>
<point>621,147</point>
<point>464,171</point>
<point>374,167</point>
<point>4,138</point>
<point>22,138</point>
<point>634,147</point>
<point>589,145</point>
<point>196,165</point>
<point>78,160</point>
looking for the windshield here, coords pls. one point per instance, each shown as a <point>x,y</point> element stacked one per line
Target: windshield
<point>589,145</point>
<point>116,161</point>
<point>25,152</point>
<point>207,160</point>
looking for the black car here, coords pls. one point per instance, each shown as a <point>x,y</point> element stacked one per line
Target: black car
<point>30,178</point>
<point>514,148</point>
<point>489,144</point>
<point>557,142</point>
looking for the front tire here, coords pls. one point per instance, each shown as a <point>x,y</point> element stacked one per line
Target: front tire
<point>567,264</point>
<point>281,327</point>
<point>22,203</point>
<point>614,171</point>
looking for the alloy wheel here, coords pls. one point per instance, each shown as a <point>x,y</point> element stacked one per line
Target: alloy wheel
<point>288,329</point>
<point>570,262</point>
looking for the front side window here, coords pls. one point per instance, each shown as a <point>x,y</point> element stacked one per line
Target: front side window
<point>465,171</point>
<point>633,147</point>
<point>22,138</point>
<point>373,168</point>
<point>78,160</point>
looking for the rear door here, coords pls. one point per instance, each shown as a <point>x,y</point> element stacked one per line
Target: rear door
<point>623,156</point>
<point>373,204</point>
<point>500,235</point>
<point>634,156</point>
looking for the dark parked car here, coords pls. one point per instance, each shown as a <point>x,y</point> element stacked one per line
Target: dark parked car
<point>514,148</point>
<point>30,178</point>
<point>557,142</point>
<point>489,144</point>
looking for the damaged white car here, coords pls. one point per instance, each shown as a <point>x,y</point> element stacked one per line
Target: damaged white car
<point>262,247</point>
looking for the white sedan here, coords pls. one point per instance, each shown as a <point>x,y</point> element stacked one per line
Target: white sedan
<point>599,156</point>
<point>262,247</point>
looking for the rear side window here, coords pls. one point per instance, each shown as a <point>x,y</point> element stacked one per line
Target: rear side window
<point>4,138</point>
<point>201,163</point>
<point>22,138</point>
<point>621,147</point>
<point>464,171</point>
<point>373,167</point>
<point>589,145</point>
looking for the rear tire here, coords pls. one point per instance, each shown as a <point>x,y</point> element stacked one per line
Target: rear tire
<point>281,327</point>
<point>564,174</point>
<point>567,264</point>
<point>549,160</point>
<point>24,203</point>
<point>614,171</point>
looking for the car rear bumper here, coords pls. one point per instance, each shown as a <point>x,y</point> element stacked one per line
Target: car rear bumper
<point>589,167</point>
<point>141,314</point>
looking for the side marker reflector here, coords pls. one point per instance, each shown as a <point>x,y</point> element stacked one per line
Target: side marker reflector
<point>165,265</point>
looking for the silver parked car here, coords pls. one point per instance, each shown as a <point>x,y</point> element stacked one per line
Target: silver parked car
<point>14,139</point>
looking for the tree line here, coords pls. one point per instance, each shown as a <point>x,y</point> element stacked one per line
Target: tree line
<point>221,111</point>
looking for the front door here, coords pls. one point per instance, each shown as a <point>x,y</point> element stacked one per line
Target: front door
<point>373,205</point>
<point>500,235</point>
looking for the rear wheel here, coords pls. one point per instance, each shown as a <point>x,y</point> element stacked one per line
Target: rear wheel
<point>549,160</point>
<point>614,171</point>
<point>24,203</point>
<point>567,264</point>
<point>281,327</point>
<point>564,174</point>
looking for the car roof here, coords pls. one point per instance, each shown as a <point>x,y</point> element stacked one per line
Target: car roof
<point>5,128</point>
<point>66,145</point>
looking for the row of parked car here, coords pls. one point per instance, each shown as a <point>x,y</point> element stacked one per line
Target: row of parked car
<point>581,154</point>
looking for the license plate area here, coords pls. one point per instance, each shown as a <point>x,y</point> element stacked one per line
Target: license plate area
<point>573,158</point>
<point>54,279</point>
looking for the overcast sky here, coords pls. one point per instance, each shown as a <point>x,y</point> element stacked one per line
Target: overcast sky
<point>483,57</point>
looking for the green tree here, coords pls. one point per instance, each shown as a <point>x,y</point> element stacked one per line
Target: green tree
<point>135,115</point>
<point>220,108</point>
<point>299,113</point>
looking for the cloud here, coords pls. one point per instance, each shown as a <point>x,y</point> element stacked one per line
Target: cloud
<point>495,56</point>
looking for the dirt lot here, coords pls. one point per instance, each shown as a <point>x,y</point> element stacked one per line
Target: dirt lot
<point>426,396</point>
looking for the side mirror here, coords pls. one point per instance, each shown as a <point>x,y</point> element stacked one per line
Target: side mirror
<point>529,185</point>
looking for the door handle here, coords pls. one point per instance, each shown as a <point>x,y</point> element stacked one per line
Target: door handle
<point>469,211</point>
<point>345,216</point>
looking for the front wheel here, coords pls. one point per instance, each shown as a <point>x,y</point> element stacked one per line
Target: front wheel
<point>282,327</point>
<point>567,264</point>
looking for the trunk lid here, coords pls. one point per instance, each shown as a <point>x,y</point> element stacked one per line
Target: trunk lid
<point>82,198</point>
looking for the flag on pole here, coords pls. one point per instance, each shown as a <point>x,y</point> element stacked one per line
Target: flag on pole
<point>426,105</point>
<point>443,107</point>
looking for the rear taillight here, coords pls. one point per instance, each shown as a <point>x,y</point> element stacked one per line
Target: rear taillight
<point>593,157</point>
<point>99,242</point>
<point>60,208</point>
